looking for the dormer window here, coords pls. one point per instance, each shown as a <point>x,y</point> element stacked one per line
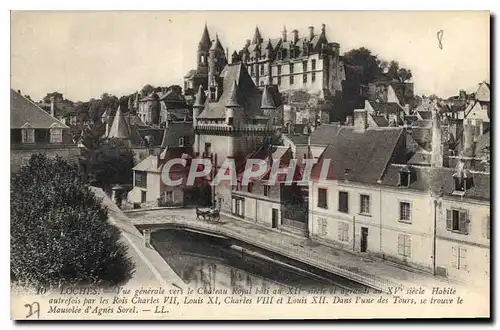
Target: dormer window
<point>405,177</point>
<point>462,180</point>
<point>181,141</point>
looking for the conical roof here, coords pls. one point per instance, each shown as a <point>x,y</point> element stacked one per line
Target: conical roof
<point>267,100</point>
<point>233,99</point>
<point>205,42</point>
<point>119,128</point>
<point>200,98</point>
<point>216,45</point>
<point>256,36</point>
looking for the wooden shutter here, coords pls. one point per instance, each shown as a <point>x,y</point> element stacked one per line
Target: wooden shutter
<point>408,243</point>
<point>463,259</point>
<point>462,220</point>
<point>449,219</point>
<point>454,257</point>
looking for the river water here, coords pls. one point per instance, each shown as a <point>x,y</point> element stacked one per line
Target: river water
<point>214,263</point>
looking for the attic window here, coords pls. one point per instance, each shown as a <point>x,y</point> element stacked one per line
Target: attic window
<point>405,177</point>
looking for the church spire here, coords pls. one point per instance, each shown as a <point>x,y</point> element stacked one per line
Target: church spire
<point>256,36</point>
<point>205,39</point>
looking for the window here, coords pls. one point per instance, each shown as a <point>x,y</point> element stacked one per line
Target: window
<point>212,93</point>
<point>313,65</point>
<point>404,212</point>
<point>404,245</point>
<point>267,190</point>
<point>279,80</point>
<point>252,73</point>
<point>238,206</point>
<point>208,148</point>
<point>262,69</point>
<point>230,121</point>
<point>304,66</point>
<point>404,178</point>
<point>181,141</point>
<point>343,232</point>
<point>344,201</point>
<point>140,179</point>
<point>459,183</point>
<point>322,198</point>
<point>322,226</point>
<point>291,68</point>
<point>250,187</point>
<point>304,78</point>
<point>291,80</point>
<point>28,135</point>
<point>143,197</point>
<point>279,70</point>
<point>457,221</point>
<point>458,258</point>
<point>55,135</point>
<point>364,206</point>
<point>169,196</point>
<point>313,76</point>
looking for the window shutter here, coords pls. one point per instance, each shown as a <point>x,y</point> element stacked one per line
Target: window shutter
<point>464,226</point>
<point>449,217</point>
<point>463,259</point>
<point>340,231</point>
<point>454,257</point>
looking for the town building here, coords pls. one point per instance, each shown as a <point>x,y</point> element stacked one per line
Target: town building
<point>33,130</point>
<point>161,107</point>
<point>421,217</point>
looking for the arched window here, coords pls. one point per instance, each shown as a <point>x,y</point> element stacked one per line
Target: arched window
<point>202,59</point>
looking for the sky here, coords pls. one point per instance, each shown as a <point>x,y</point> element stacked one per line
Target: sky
<point>85,54</point>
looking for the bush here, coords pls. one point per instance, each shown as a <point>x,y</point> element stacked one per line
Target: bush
<point>59,231</point>
<point>163,203</point>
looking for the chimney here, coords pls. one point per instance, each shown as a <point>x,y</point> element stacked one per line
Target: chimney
<point>468,137</point>
<point>52,106</point>
<point>283,33</point>
<point>295,36</point>
<point>437,140</point>
<point>360,120</point>
<point>323,27</point>
<point>311,32</point>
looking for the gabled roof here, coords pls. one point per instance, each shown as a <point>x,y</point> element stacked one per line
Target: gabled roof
<point>379,120</point>
<point>24,111</point>
<point>425,115</point>
<point>483,92</point>
<point>119,129</point>
<point>324,134</point>
<point>365,155</point>
<point>148,165</point>
<point>386,107</point>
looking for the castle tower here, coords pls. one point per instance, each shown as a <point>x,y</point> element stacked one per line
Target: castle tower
<point>203,50</point>
<point>234,118</point>
<point>267,105</point>
<point>216,62</point>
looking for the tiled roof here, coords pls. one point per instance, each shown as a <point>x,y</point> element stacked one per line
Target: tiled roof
<point>176,130</point>
<point>483,92</point>
<point>379,120</point>
<point>267,100</point>
<point>364,154</point>
<point>324,134</point>
<point>148,165</point>
<point>23,111</point>
<point>425,115</point>
<point>140,136</point>
<point>429,179</point>
<point>299,139</point>
<point>386,107</point>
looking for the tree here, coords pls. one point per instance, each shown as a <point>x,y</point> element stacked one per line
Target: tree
<point>395,73</point>
<point>370,64</point>
<point>109,162</point>
<point>60,233</point>
<point>147,89</point>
